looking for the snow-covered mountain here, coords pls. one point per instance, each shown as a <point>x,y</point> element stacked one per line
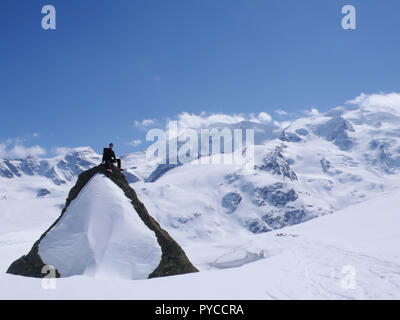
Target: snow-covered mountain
<point>315,166</point>
<point>346,160</point>
<point>59,170</point>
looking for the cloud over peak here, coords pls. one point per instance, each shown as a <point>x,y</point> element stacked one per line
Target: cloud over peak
<point>377,100</point>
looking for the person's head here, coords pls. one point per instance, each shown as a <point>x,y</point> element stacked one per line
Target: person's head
<point>111,145</point>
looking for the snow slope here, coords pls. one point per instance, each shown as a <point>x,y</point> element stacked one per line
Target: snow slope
<point>101,234</point>
<point>248,230</point>
<point>352,254</point>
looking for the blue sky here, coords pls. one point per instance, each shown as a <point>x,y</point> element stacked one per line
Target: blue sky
<point>110,63</point>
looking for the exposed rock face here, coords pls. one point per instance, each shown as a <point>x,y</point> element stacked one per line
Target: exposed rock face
<point>336,130</point>
<point>275,195</point>
<point>277,164</point>
<point>302,132</point>
<point>173,260</point>
<point>385,154</point>
<point>256,226</point>
<point>230,201</point>
<point>290,217</point>
<point>289,137</point>
<point>5,171</point>
<point>326,165</point>
<point>42,193</point>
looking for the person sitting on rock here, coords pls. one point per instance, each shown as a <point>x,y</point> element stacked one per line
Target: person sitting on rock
<point>109,158</point>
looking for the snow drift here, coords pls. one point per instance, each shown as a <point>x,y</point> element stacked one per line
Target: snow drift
<point>104,230</point>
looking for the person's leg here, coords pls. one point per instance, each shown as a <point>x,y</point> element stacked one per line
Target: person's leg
<point>109,165</point>
<point>119,163</point>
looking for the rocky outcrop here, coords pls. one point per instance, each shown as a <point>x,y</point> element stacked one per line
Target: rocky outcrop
<point>336,130</point>
<point>256,225</point>
<point>385,154</point>
<point>42,193</point>
<point>173,260</point>
<point>231,201</point>
<point>289,217</point>
<point>276,163</point>
<point>289,137</point>
<point>275,195</point>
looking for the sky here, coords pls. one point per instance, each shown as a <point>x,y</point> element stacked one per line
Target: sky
<point>112,69</point>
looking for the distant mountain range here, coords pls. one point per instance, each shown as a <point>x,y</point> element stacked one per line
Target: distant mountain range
<point>315,166</point>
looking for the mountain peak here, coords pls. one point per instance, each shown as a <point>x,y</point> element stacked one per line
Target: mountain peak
<point>104,229</point>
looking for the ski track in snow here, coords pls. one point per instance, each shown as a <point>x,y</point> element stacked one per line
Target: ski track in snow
<point>321,265</point>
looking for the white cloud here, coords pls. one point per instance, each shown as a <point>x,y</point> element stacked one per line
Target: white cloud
<point>282,125</point>
<point>3,150</point>
<point>264,117</point>
<point>312,112</point>
<point>391,100</point>
<point>202,120</point>
<point>20,151</point>
<point>61,150</point>
<point>281,112</point>
<point>144,123</point>
<point>135,143</point>
<point>15,148</point>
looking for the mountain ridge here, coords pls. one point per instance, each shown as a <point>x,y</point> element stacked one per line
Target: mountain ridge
<point>316,165</point>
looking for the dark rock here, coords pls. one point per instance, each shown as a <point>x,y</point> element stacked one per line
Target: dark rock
<point>256,226</point>
<point>384,156</point>
<point>231,178</point>
<point>289,217</point>
<point>274,222</point>
<point>289,137</point>
<point>42,193</point>
<point>303,132</point>
<point>275,195</point>
<point>12,165</point>
<point>277,164</point>
<point>5,172</point>
<point>30,166</point>
<point>326,165</point>
<point>295,216</point>
<point>173,260</point>
<point>231,201</point>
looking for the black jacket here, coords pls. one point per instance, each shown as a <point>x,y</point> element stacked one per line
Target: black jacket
<point>108,154</point>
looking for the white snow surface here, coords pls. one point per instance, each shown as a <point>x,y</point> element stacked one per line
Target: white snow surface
<point>305,261</point>
<point>101,234</point>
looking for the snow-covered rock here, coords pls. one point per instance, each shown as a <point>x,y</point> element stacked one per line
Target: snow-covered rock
<point>104,230</point>
<point>100,233</point>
